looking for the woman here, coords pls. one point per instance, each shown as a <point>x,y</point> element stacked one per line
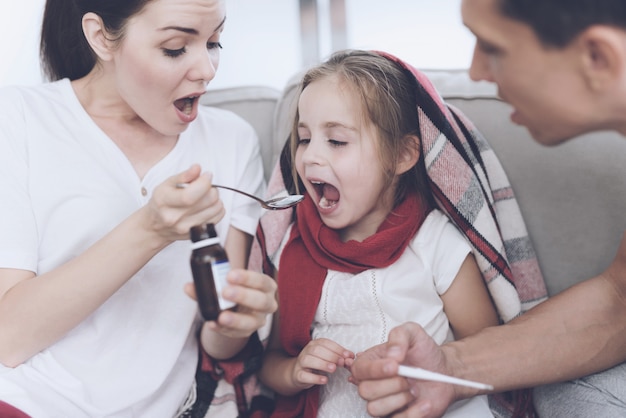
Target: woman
<point>93,250</point>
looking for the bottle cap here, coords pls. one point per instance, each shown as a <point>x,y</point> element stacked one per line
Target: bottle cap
<point>202,232</point>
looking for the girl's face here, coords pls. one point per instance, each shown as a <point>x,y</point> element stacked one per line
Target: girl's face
<point>169,53</point>
<point>338,161</point>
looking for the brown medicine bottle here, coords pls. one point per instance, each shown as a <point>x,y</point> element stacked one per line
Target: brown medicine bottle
<point>209,266</point>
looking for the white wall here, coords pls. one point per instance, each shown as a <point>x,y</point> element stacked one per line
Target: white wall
<point>427,33</point>
<point>19,41</point>
<point>262,38</point>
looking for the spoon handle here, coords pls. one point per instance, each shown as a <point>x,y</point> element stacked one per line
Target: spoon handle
<point>258,199</point>
<point>283,202</point>
<point>261,201</point>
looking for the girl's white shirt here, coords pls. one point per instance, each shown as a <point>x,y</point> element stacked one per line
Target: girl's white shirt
<point>358,311</point>
<point>65,185</point>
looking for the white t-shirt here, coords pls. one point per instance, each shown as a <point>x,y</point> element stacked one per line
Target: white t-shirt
<point>358,311</point>
<point>65,184</point>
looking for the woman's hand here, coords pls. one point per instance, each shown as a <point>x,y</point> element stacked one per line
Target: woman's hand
<point>172,211</point>
<point>255,296</point>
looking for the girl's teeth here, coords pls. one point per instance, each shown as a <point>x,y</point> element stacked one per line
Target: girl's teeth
<point>326,204</point>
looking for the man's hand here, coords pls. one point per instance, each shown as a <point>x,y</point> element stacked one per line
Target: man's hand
<point>375,373</point>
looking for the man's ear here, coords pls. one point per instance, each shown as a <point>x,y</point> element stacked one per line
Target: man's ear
<point>409,157</point>
<point>604,56</point>
<point>96,35</point>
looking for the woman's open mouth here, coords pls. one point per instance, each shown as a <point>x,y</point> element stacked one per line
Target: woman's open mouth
<point>185,105</point>
<point>327,194</point>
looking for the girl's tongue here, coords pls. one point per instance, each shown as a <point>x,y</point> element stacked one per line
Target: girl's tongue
<point>330,196</point>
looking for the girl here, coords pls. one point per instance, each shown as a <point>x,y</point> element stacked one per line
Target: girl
<point>367,250</point>
<point>94,249</point>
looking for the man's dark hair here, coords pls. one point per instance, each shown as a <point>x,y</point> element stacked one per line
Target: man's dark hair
<point>558,22</point>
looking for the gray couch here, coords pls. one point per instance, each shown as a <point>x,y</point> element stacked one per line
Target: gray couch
<point>573,197</point>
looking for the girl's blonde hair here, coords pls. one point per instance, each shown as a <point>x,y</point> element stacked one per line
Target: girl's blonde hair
<point>387,95</point>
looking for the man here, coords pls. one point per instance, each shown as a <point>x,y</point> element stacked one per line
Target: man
<point>561,64</point>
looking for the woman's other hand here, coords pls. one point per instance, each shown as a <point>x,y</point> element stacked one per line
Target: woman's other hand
<point>255,296</point>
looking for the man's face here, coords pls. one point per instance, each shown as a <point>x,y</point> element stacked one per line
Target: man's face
<point>543,85</point>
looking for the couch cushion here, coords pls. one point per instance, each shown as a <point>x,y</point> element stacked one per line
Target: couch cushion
<point>256,104</point>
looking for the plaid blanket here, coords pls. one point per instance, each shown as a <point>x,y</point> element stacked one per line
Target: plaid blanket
<point>472,188</point>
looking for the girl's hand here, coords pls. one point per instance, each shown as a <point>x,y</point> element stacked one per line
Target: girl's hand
<point>316,361</point>
<point>172,211</point>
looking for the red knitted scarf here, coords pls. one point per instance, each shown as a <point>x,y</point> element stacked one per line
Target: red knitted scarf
<point>311,250</point>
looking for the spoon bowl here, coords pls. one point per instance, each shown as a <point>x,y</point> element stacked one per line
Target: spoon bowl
<point>277,203</point>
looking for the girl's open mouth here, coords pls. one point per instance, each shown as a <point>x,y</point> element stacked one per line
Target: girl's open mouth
<point>327,194</point>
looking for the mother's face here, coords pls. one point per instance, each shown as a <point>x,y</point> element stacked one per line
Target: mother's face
<point>168,54</point>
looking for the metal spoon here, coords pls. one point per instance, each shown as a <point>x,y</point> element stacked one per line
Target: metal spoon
<point>277,203</point>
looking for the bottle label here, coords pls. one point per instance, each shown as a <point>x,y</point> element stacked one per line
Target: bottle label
<point>220,270</point>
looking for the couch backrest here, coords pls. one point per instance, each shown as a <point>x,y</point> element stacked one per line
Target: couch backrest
<point>573,197</point>
<point>257,105</point>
